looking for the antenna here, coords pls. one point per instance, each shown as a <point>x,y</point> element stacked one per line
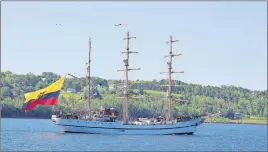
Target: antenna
<point>170,85</point>
<point>126,83</point>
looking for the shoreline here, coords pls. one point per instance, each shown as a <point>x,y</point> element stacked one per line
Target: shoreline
<point>206,121</point>
<point>238,121</point>
<point>245,123</point>
<point>21,118</point>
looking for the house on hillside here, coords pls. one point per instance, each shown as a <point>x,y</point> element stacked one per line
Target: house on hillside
<point>112,86</point>
<point>70,90</point>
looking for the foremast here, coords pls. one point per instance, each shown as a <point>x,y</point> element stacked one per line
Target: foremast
<point>126,81</point>
<point>169,116</point>
<point>89,79</point>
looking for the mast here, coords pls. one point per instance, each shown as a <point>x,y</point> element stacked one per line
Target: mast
<point>126,83</point>
<point>169,116</point>
<point>89,79</point>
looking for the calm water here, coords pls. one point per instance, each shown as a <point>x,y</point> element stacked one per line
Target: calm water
<point>42,135</point>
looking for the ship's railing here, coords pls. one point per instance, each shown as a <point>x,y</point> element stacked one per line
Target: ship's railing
<point>152,123</point>
<point>66,116</point>
<point>187,118</point>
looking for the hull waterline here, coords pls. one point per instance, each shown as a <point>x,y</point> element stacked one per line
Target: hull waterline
<point>113,128</point>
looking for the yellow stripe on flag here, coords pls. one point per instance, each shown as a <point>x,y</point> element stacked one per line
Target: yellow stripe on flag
<point>56,86</point>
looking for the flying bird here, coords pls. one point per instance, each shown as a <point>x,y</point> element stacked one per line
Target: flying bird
<point>121,25</point>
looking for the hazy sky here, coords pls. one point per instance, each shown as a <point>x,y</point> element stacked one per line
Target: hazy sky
<point>223,43</point>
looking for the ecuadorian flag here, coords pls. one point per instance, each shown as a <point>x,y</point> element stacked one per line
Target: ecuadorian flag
<point>47,96</point>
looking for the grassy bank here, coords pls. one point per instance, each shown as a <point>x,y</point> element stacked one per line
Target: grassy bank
<point>251,120</point>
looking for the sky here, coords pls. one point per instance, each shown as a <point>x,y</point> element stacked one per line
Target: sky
<point>223,43</point>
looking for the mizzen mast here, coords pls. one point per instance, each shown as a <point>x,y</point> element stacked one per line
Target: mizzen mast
<point>126,82</point>
<point>169,116</point>
<point>89,79</point>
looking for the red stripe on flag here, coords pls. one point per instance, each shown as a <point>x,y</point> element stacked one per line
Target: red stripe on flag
<point>49,102</point>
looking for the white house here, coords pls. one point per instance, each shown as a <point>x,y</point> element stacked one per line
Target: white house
<point>112,86</point>
<point>71,90</point>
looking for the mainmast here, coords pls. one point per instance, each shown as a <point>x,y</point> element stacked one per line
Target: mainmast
<point>126,83</point>
<point>89,79</point>
<point>170,85</point>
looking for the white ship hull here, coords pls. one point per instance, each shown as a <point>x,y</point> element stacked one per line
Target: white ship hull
<point>112,128</point>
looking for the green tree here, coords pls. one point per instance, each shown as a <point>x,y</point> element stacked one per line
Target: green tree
<point>6,92</point>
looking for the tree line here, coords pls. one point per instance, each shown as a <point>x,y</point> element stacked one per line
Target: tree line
<point>225,101</point>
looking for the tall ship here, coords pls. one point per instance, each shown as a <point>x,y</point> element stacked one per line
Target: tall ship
<point>106,120</point>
